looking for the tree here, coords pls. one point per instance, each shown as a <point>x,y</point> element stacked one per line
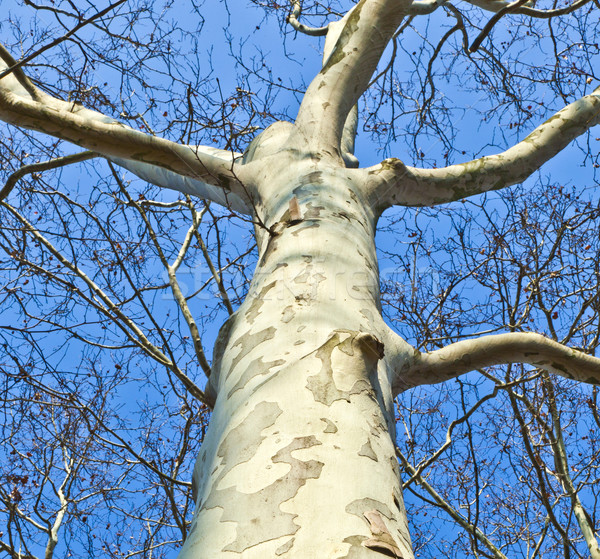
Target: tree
<point>300,457</point>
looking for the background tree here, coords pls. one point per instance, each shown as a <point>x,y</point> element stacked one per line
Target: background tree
<point>104,326</point>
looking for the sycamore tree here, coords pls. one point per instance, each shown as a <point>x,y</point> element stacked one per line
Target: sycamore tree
<point>105,408</point>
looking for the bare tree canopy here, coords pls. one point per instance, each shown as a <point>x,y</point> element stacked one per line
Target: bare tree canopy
<point>190,197</point>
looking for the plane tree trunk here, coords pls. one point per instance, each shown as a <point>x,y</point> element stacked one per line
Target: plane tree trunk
<point>299,459</point>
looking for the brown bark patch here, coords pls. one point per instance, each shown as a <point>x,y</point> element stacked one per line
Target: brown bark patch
<point>285,547</point>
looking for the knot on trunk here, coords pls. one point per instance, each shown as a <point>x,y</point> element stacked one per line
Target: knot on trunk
<point>370,345</point>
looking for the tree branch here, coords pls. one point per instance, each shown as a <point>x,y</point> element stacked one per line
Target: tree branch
<point>424,7</point>
<point>509,9</point>
<point>500,349</point>
<point>12,180</point>
<point>187,185</point>
<point>499,5</point>
<point>393,183</point>
<point>25,106</point>
<point>17,65</point>
<point>367,29</point>
<point>292,19</point>
<point>448,508</point>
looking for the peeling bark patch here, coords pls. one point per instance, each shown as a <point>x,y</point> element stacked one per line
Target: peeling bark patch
<point>357,551</point>
<point>271,248</point>
<point>331,428</point>
<point>382,540</point>
<point>367,451</point>
<point>313,178</point>
<point>322,384</point>
<point>373,512</point>
<point>303,227</point>
<point>288,314</point>
<point>371,344</point>
<point>242,442</point>
<point>258,302</point>
<point>285,547</point>
<point>249,341</point>
<point>313,212</point>
<point>359,506</point>
<point>258,515</point>
<point>255,369</point>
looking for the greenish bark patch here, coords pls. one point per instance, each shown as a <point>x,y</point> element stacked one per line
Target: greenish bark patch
<point>258,302</point>
<point>249,341</point>
<point>257,368</point>
<point>367,451</point>
<point>350,28</point>
<point>258,515</point>
<point>330,426</point>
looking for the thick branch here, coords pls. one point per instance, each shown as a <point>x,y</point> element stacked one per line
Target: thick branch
<point>187,185</point>
<point>350,127</point>
<point>501,349</point>
<point>25,106</point>
<point>392,182</point>
<point>368,27</point>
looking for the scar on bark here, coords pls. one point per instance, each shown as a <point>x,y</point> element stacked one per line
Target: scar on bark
<point>357,345</point>
<point>295,213</point>
<point>381,540</point>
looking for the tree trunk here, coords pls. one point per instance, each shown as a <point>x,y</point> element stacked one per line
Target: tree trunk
<point>299,459</point>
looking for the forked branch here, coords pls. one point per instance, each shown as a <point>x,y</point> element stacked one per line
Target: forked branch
<point>501,349</point>
<point>367,29</point>
<point>393,183</point>
<point>24,105</point>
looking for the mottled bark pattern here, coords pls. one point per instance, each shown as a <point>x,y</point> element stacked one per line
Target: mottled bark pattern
<point>299,459</point>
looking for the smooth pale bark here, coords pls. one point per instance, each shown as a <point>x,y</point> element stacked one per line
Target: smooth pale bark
<point>500,349</point>
<point>393,183</point>
<point>346,75</point>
